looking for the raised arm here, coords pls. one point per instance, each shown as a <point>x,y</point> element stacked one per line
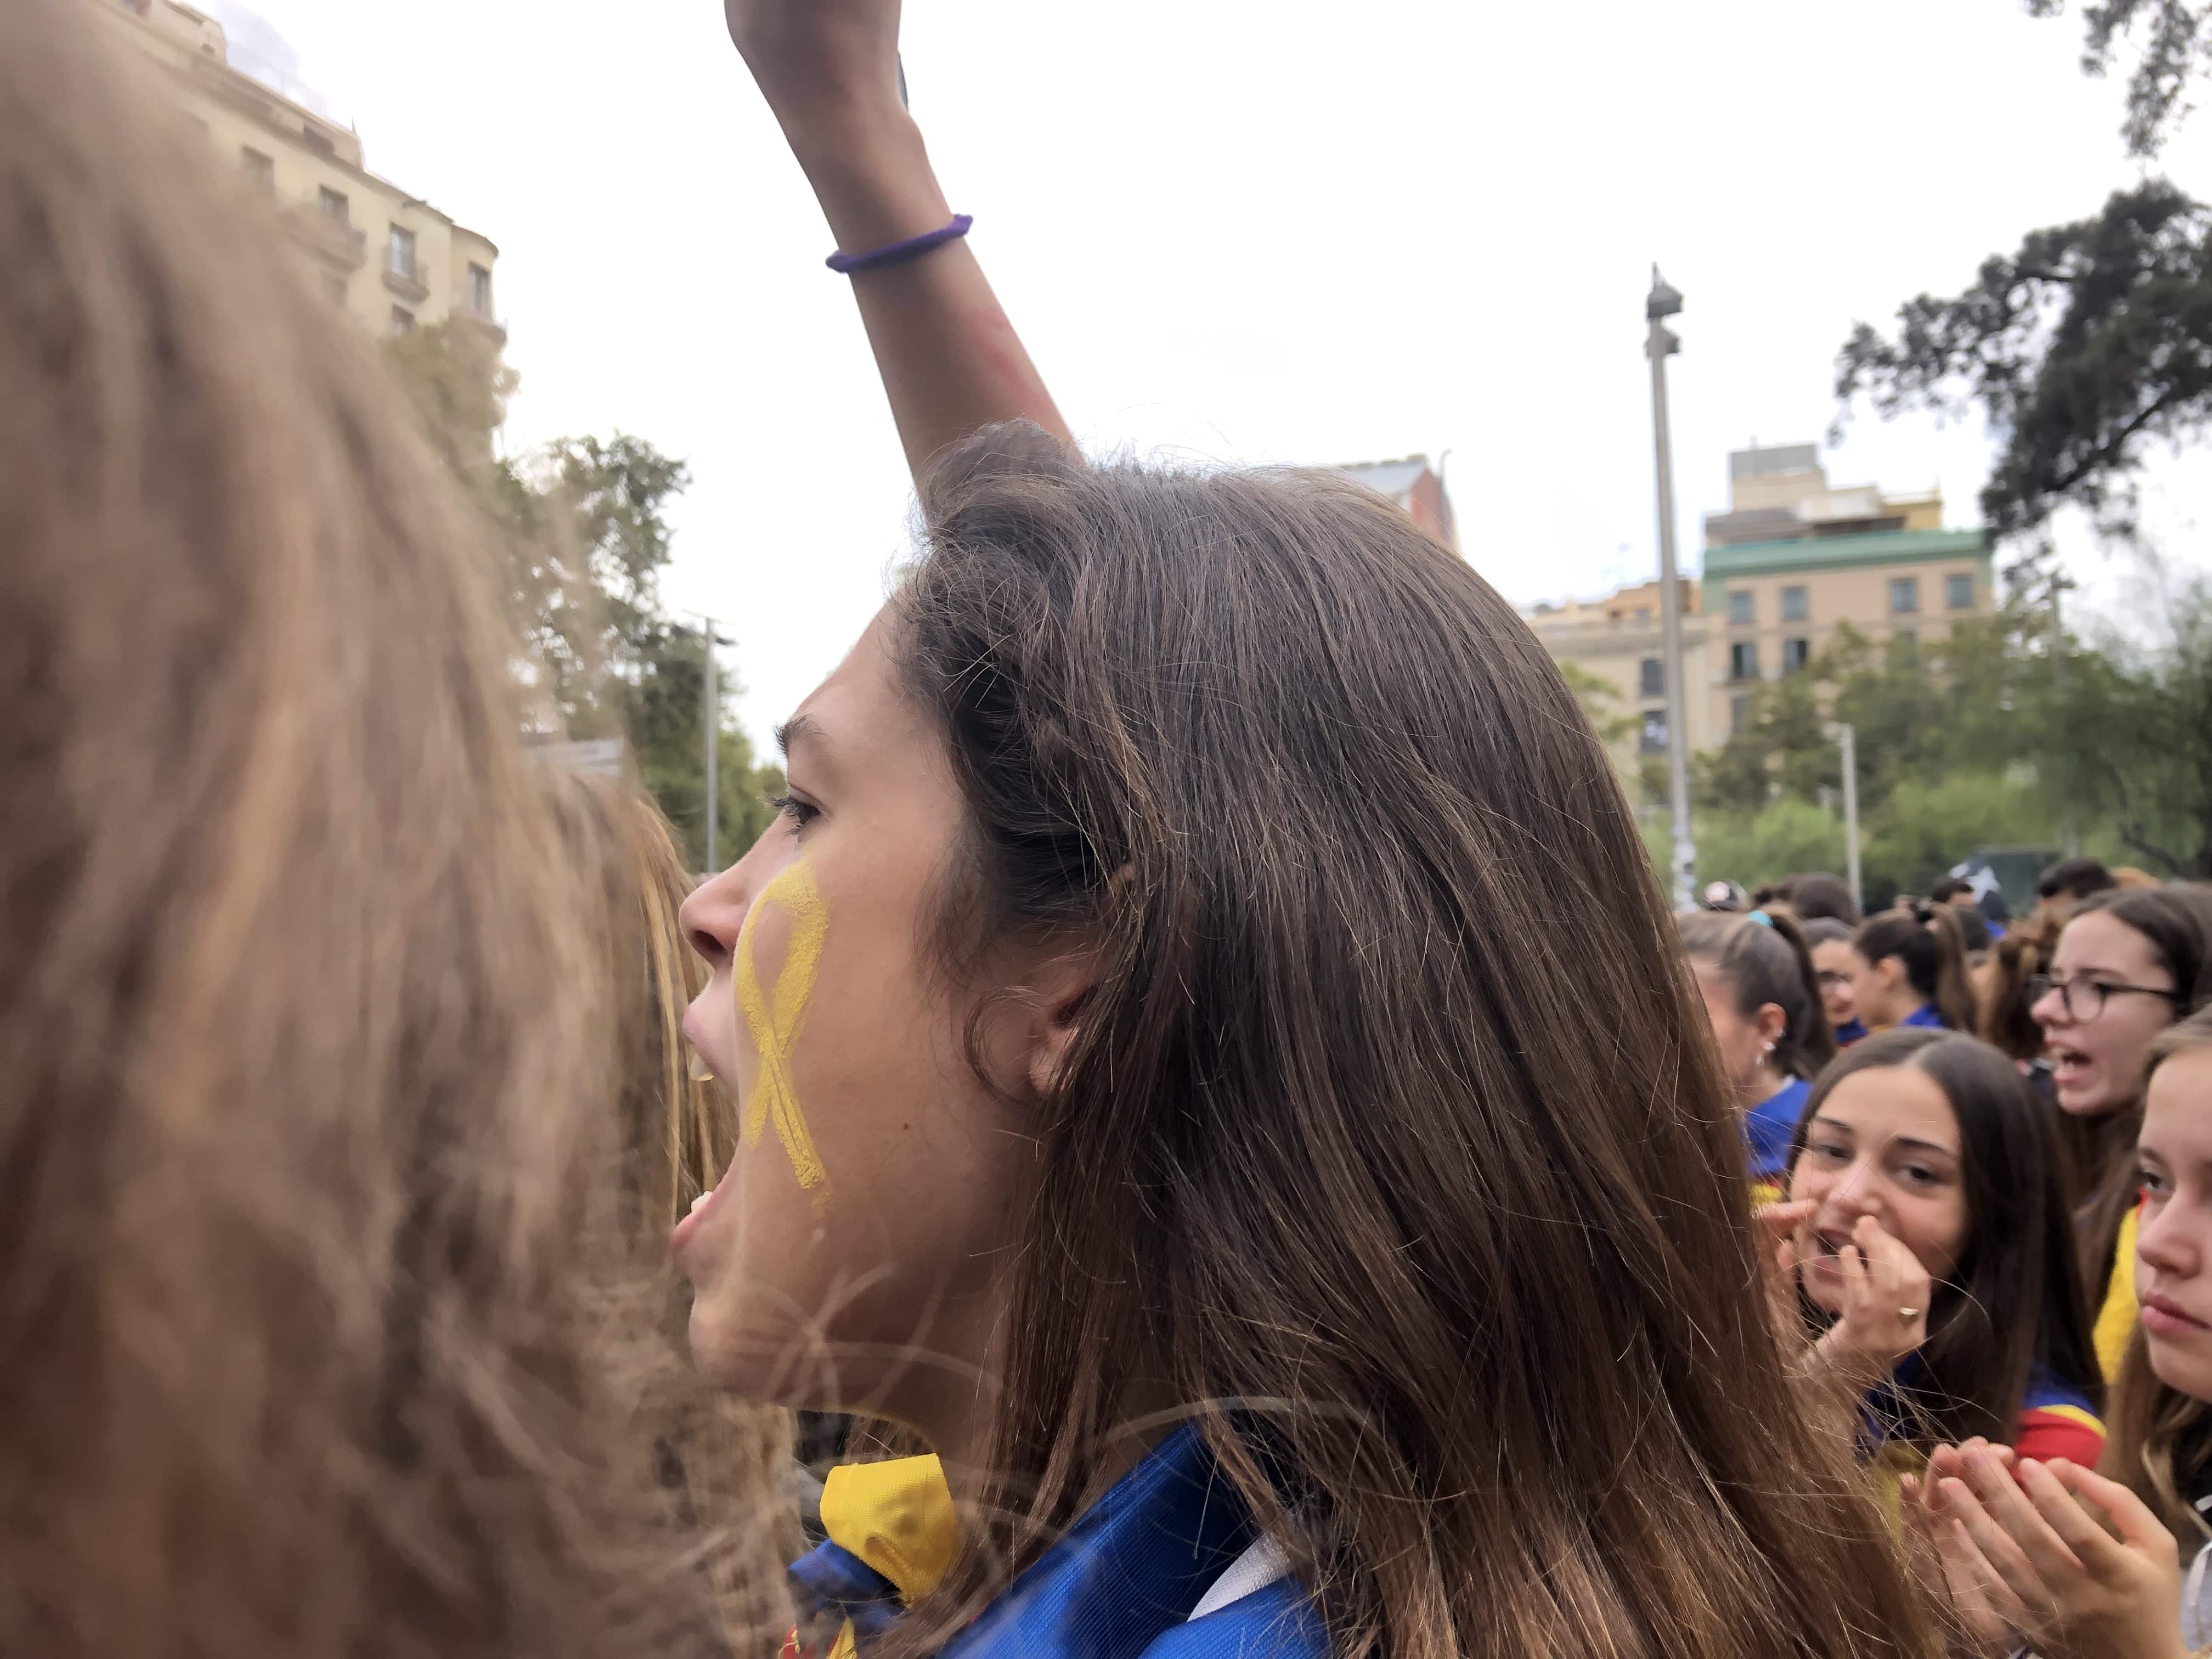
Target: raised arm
<point>950,360</point>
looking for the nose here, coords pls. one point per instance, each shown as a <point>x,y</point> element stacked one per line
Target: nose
<point>2166,1244</point>
<point>2050,1009</point>
<point>1857,1192</point>
<point>715,913</point>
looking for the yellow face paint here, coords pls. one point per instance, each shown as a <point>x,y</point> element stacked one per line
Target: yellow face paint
<point>776,1017</point>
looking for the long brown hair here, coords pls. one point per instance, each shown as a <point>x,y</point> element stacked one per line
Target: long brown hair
<point>1765,958</point>
<point>304,1230</point>
<point>2012,1301</point>
<point>1927,942</point>
<point>1392,1138</point>
<point>2160,1439</point>
<point>728,1459</point>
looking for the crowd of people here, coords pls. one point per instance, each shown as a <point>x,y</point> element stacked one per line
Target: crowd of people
<point>1193,1134</point>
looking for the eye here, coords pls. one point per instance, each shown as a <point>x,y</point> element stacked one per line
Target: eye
<point>1921,1176</point>
<point>2150,1184</point>
<point>1829,1151</point>
<point>800,813</point>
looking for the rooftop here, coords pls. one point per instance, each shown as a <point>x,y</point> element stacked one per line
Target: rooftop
<point>1841,552</point>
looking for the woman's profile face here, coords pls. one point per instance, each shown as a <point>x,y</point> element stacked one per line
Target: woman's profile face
<point>1744,1044</point>
<point>1884,1144</point>
<point>2174,1240</point>
<point>1877,988</point>
<point>1835,962</point>
<point>867,1208</point>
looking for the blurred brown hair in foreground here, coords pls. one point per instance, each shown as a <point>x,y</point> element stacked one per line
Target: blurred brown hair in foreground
<point>308,1250</point>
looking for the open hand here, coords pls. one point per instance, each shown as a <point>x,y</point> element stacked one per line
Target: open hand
<point>2075,1563</point>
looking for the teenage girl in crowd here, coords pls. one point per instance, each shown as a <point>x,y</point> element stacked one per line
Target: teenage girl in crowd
<point>1763,999</point>
<point>1909,967</point>
<point>1834,964</point>
<point>308,1253</point>
<point>1934,1266</point>
<point>2128,964</point>
<point>1814,897</point>
<point>1213,1053</point>
<point>2025,1552</point>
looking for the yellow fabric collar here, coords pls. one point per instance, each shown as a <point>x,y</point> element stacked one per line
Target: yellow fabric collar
<point>898,1516</point>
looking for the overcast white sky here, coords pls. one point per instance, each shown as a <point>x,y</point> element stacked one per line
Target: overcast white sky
<point>1245,232</point>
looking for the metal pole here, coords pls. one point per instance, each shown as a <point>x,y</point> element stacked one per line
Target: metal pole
<point>2070,835</point>
<point>1663,303</point>
<point>1848,739</point>
<point>714,722</point>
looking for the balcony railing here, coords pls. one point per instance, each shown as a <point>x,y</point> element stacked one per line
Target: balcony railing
<point>330,240</point>
<point>406,283</point>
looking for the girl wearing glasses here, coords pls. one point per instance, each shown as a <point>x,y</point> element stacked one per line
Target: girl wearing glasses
<point>2128,964</point>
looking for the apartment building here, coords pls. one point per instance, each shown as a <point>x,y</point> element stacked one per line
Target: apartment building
<point>389,259</point>
<point>1791,561</point>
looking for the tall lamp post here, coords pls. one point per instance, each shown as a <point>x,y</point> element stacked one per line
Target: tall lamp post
<point>1663,303</point>
<point>710,635</point>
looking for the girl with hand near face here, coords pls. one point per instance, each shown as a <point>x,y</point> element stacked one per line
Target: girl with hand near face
<point>2088,1564</point>
<point>1909,967</point>
<point>2128,965</point>
<point>1927,1253</point>
<point>1763,997</point>
<point>1210,1056</point>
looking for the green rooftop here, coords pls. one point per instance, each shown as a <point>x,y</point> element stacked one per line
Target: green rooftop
<point>1841,552</point>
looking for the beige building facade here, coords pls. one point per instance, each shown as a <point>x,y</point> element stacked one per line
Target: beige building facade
<point>389,259</point>
<point>1791,562</point>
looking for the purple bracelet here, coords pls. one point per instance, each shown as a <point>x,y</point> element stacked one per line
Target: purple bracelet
<point>897,254</point>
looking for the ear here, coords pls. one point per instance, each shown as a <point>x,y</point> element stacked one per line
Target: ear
<point>1891,971</point>
<point>1771,1022</point>
<point>1059,992</point>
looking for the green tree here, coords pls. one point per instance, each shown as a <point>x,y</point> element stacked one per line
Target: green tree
<point>580,534</point>
<point>2081,348</point>
<point>2172,43</point>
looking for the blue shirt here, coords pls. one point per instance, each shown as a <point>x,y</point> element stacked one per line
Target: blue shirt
<point>1770,1126</point>
<point>1851,1030</point>
<point>1121,1584</point>
<point>1925,1015</point>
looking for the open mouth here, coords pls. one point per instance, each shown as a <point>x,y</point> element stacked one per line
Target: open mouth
<point>2068,1065</point>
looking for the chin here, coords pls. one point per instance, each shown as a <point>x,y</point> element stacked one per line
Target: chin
<point>2183,1364</point>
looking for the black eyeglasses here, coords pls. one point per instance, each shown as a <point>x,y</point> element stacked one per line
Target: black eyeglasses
<point>1830,979</point>
<point>2092,992</point>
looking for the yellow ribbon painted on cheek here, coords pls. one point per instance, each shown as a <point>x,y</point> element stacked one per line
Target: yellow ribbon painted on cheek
<point>776,1018</point>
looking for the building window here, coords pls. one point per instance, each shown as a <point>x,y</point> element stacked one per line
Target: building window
<point>1904,595</point>
<point>1958,592</point>
<point>335,286</point>
<point>1653,739</point>
<point>479,291</point>
<point>1743,661</point>
<point>1651,679</point>
<point>1739,713</point>
<point>402,320</point>
<point>399,253</point>
<point>1795,655</point>
<point>334,206</point>
<point>1739,612</point>
<point>1796,605</point>
<point>262,169</point>
<point>1644,613</point>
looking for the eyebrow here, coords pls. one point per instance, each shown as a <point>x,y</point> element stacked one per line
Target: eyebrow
<point>801,731</point>
<point>1843,1128</point>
